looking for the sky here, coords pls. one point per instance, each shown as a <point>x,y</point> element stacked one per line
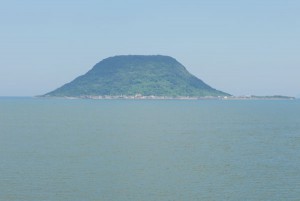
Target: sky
<point>242,47</point>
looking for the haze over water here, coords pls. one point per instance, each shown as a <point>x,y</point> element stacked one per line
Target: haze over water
<point>122,150</point>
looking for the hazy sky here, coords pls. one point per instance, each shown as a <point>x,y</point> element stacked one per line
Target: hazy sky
<point>239,46</point>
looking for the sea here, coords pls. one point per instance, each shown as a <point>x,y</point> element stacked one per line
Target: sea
<point>149,150</point>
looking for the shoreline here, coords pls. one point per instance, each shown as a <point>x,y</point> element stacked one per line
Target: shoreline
<point>140,97</point>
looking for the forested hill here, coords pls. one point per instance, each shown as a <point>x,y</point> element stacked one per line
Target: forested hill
<point>135,74</point>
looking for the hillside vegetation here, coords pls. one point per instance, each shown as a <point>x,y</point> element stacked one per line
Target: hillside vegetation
<point>130,75</point>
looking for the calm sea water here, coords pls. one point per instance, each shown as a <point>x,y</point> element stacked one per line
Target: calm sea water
<point>114,150</point>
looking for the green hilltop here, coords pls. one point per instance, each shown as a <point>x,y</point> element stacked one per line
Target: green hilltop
<point>135,74</point>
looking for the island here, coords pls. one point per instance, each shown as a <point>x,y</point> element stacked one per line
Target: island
<point>138,77</point>
<point>144,77</point>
